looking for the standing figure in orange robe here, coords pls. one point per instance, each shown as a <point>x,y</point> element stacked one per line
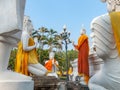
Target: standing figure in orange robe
<point>83,52</point>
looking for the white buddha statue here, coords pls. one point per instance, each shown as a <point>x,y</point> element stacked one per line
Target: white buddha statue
<point>106,33</point>
<point>11,17</point>
<point>27,49</point>
<point>52,65</point>
<point>75,68</point>
<point>10,32</point>
<point>11,21</point>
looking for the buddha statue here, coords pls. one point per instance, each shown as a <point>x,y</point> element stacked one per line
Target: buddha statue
<point>74,64</point>
<point>26,58</point>
<point>83,52</point>
<point>105,30</point>
<point>52,65</point>
<point>10,32</point>
<point>11,23</point>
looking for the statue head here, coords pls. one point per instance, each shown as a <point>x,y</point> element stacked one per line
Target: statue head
<point>27,24</point>
<point>51,55</point>
<point>82,31</point>
<point>112,5</point>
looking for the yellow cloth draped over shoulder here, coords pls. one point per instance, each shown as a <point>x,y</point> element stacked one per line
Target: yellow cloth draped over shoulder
<point>83,52</point>
<point>23,58</point>
<point>70,70</point>
<point>115,21</point>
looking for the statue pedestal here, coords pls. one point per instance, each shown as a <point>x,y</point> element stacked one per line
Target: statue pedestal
<point>95,63</point>
<point>16,85</point>
<point>14,81</point>
<point>45,83</point>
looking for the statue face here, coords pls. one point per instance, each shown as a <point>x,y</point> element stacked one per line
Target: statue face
<point>110,5</point>
<point>51,55</point>
<point>30,28</point>
<point>27,24</point>
<point>83,31</point>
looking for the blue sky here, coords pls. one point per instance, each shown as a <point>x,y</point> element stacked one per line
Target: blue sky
<point>55,13</point>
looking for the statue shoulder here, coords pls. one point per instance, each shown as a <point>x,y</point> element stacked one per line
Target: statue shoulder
<point>25,34</point>
<point>102,18</point>
<point>101,22</point>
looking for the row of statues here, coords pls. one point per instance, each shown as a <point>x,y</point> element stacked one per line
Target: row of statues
<point>14,28</point>
<point>105,36</point>
<point>106,43</point>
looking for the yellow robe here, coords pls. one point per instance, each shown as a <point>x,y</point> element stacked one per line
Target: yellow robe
<point>70,70</point>
<point>115,21</point>
<point>23,58</point>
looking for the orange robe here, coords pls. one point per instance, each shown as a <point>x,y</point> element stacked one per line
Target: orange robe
<point>115,21</point>
<point>83,48</point>
<point>23,58</point>
<point>49,65</point>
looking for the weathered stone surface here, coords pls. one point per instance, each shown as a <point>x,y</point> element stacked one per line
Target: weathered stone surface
<point>76,86</point>
<point>45,83</point>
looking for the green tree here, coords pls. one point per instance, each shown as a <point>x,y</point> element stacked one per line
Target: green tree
<point>12,58</point>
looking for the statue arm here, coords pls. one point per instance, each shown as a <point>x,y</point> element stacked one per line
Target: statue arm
<point>81,39</point>
<point>25,39</point>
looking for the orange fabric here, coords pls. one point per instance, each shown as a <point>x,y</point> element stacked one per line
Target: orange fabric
<point>115,21</point>
<point>23,58</point>
<point>83,52</point>
<point>48,65</point>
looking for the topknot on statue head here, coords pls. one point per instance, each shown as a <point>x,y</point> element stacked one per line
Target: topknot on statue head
<point>111,1</point>
<point>117,2</point>
<point>103,0</point>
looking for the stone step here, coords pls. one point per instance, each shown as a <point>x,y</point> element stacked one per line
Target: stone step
<point>45,82</point>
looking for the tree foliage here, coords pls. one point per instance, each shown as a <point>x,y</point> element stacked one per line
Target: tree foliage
<point>12,58</point>
<point>44,55</point>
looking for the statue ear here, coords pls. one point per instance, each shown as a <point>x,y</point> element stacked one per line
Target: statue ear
<point>103,1</point>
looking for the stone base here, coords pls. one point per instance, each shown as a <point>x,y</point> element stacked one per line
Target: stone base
<point>45,83</point>
<point>16,85</point>
<point>76,86</point>
<point>10,80</point>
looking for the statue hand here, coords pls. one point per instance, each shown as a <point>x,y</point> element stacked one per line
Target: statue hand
<point>73,43</point>
<point>36,43</point>
<point>52,61</point>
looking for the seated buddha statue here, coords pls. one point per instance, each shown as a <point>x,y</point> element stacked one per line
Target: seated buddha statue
<point>26,58</point>
<point>106,39</point>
